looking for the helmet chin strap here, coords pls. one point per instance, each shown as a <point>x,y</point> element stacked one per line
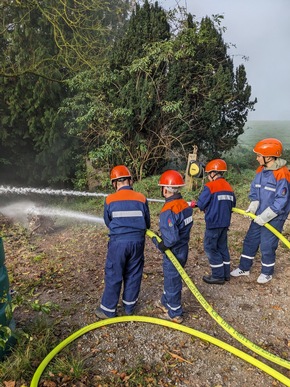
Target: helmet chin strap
<point>265,164</point>
<point>214,174</point>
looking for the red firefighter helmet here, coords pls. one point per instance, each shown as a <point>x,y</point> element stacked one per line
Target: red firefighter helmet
<point>171,178</point>
<point>269,147</point>
<point>218,165</point>
<point>119,172</point>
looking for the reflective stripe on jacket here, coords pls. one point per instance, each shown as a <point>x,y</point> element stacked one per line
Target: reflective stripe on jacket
<point>271,189</point>
<point>126,214</point>
<point>217,200</point>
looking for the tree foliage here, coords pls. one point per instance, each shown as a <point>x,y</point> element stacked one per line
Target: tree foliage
<point>43,44</point>
<point>124,102</point>
<point>167,92</point>
<point>117,89</point>
<point>212,102</point>
<point>41,36</point>
<point>33,140</point>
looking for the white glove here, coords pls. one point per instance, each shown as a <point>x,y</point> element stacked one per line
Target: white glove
<point>253,206</point>
<point>265,216</point>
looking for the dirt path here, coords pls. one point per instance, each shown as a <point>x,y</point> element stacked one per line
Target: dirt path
<point>65,266</point>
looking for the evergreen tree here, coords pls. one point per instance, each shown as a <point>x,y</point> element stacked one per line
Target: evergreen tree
<point>130,95</point>
<point>153,101</point>
<point>43,44</point>
<point>214,101</point>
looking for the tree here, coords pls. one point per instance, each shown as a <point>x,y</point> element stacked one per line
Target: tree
<point>214,101</point>
<point>41,36</point>
<point>162,93</point>
<point>43,44</point>
<point>153,96</point>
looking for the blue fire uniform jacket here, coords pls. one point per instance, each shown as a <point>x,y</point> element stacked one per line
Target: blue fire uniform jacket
<point>271,188</point>
<point>217,200</point>
<point>175,222</point>
<point>126,214</point>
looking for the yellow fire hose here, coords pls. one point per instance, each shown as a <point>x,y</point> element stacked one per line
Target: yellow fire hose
<point>267,225</point>
<point>255,348</point>
<point>250,359</point>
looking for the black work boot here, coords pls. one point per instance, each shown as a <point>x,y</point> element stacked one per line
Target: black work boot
<point>211,280</point>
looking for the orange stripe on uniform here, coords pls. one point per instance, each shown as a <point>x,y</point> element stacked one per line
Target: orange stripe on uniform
<point>175,206</point>
<point>125,194</point>
<point>282,173</point>
<point>219,185</point>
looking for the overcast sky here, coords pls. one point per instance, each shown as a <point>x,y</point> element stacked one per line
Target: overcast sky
<point>260,29</point>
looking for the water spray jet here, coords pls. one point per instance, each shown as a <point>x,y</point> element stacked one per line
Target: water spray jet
<point>46,191</point>
<point>25,210</point>
<point>4,190</point>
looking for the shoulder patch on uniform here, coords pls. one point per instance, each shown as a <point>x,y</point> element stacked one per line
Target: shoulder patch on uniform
<point>170,224</point>
<point>284,191</point>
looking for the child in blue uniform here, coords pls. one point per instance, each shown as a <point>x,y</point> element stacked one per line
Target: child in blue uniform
<point>175,222</point>
<point>217,200</point>
<point>126,214</point>
<point>270,201</point>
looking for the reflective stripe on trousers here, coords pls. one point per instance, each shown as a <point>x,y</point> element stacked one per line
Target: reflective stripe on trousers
<point>259,236</point>
<point>124,263</point>
<point>173,282</point>
<point>216,249</point>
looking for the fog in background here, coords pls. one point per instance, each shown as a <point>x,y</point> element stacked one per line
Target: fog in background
<point>260,29</point>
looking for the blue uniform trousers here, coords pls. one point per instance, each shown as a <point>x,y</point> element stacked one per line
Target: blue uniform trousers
<point>259,236</point>
<point>171,297</point>
<point>124,263</point>
<point>216,249</point>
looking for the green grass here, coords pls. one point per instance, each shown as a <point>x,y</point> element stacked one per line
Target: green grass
<point>32,346</point>
<point>69,365</point>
